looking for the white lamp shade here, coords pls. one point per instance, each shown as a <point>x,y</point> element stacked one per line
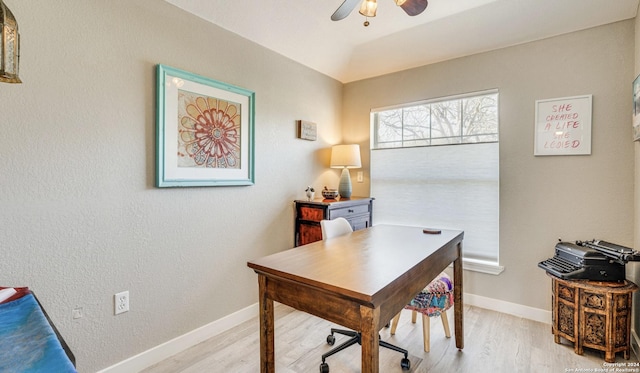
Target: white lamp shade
<point>345,156</point>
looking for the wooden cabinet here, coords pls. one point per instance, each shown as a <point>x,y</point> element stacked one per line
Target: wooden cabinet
<point>357,210</point>
<point>593,314</point>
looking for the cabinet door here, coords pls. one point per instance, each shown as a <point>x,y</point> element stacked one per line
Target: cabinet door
<point>311,213</point>
<point>349,212</point>
<point>361,222</point>
<point>308,219</point>
<point>309,233</point>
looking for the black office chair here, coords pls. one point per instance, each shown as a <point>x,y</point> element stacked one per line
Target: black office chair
<point>330,229</point>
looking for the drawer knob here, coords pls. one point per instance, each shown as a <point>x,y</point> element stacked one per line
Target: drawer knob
<point>350,210</point>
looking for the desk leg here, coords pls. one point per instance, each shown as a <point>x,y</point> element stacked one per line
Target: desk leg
<point>267,351</point>
<point>370,327</point>
<point>457,299</point>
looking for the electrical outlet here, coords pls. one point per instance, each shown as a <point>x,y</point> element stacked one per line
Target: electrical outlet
<point>121,302</point>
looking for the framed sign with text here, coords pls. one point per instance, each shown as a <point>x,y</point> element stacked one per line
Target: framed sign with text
<point>563,126</point>
<point>307,130</point>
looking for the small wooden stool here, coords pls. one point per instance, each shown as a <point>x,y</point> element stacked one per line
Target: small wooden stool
<point>434,300</point>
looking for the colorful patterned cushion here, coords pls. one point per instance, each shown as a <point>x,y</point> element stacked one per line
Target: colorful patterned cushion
<point>435,298</point>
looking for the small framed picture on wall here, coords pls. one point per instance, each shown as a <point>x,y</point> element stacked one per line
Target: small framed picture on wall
<point>205,131</point>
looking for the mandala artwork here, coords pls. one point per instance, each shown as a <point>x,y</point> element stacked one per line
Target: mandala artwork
<point>208,132</point>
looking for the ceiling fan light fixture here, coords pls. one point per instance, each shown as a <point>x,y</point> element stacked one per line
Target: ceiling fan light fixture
<point>368,8</point>
<point>412,7</point>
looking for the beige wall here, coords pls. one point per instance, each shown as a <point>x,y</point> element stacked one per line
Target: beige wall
<point>541,198</point>
<point>80,219</point>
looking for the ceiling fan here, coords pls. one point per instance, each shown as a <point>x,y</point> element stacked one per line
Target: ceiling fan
<point>368,8</point>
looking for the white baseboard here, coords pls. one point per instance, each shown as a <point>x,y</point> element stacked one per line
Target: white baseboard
<point>155,355</point>
<point>535,314</point>
<point>635,343</point>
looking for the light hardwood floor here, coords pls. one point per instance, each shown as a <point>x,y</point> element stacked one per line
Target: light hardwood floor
<point>494,342</point>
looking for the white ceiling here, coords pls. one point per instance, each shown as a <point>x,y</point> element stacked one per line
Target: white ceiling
<point>347,51</point>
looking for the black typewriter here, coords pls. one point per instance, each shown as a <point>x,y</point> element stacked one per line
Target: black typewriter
<point>590,260</point>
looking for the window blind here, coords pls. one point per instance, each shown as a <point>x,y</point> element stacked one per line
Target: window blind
<point>448,187</point>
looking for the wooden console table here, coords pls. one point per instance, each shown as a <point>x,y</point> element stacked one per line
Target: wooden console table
<point>593,314</point>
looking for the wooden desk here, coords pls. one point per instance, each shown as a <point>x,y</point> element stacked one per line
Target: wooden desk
<point>359,280</point>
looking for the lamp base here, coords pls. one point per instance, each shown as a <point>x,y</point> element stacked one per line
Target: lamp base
<point>344,188</point>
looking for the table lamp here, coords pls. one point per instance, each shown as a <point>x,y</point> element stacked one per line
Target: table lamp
<point>345,157</point>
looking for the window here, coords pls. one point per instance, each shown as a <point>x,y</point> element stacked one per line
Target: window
<point>460,120</point>
<point>436,164</point>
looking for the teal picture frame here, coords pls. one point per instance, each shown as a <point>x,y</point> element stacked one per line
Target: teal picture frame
<point>205,131</point>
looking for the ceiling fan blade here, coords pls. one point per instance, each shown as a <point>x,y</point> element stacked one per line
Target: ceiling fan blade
<point>345,9</point>
<point>414,7</point>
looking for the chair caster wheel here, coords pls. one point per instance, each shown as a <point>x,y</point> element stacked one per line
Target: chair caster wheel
<point>324,368</point>
<point>330,341</point>
<point>405,364</point>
